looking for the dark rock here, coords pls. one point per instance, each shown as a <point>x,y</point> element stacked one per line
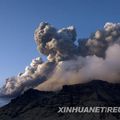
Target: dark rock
<point>40,105</point>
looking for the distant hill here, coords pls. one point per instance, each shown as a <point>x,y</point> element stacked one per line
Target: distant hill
<point>40,105</point>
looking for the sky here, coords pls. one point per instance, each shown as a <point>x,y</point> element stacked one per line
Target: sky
<point>20,18</point>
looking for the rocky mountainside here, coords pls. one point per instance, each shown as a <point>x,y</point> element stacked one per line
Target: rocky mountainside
<point>39,105</point>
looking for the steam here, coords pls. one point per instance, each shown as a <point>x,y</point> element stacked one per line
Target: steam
<point>96,57</point>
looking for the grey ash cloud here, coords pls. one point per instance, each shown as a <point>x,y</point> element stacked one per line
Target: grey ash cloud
<point>57,44</point>
<point>95,57</point>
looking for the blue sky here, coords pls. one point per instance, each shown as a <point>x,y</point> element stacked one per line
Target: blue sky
<point>19,18</point>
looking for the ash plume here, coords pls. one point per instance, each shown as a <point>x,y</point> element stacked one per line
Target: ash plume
<point>56,44</point>
<point>99,41</point>
<point>37,72</point>
<point>96,57</point>
<point>85,69</point>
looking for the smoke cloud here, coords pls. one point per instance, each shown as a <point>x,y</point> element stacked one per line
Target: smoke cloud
<point>85,69</point>
<point>37,72</point>
<point>96,57</point>
<point>56,44</point>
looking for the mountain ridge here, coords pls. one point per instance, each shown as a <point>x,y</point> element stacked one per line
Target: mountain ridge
<point>43,105</point>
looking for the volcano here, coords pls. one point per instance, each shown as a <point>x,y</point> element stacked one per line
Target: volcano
<point>44,105</point>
